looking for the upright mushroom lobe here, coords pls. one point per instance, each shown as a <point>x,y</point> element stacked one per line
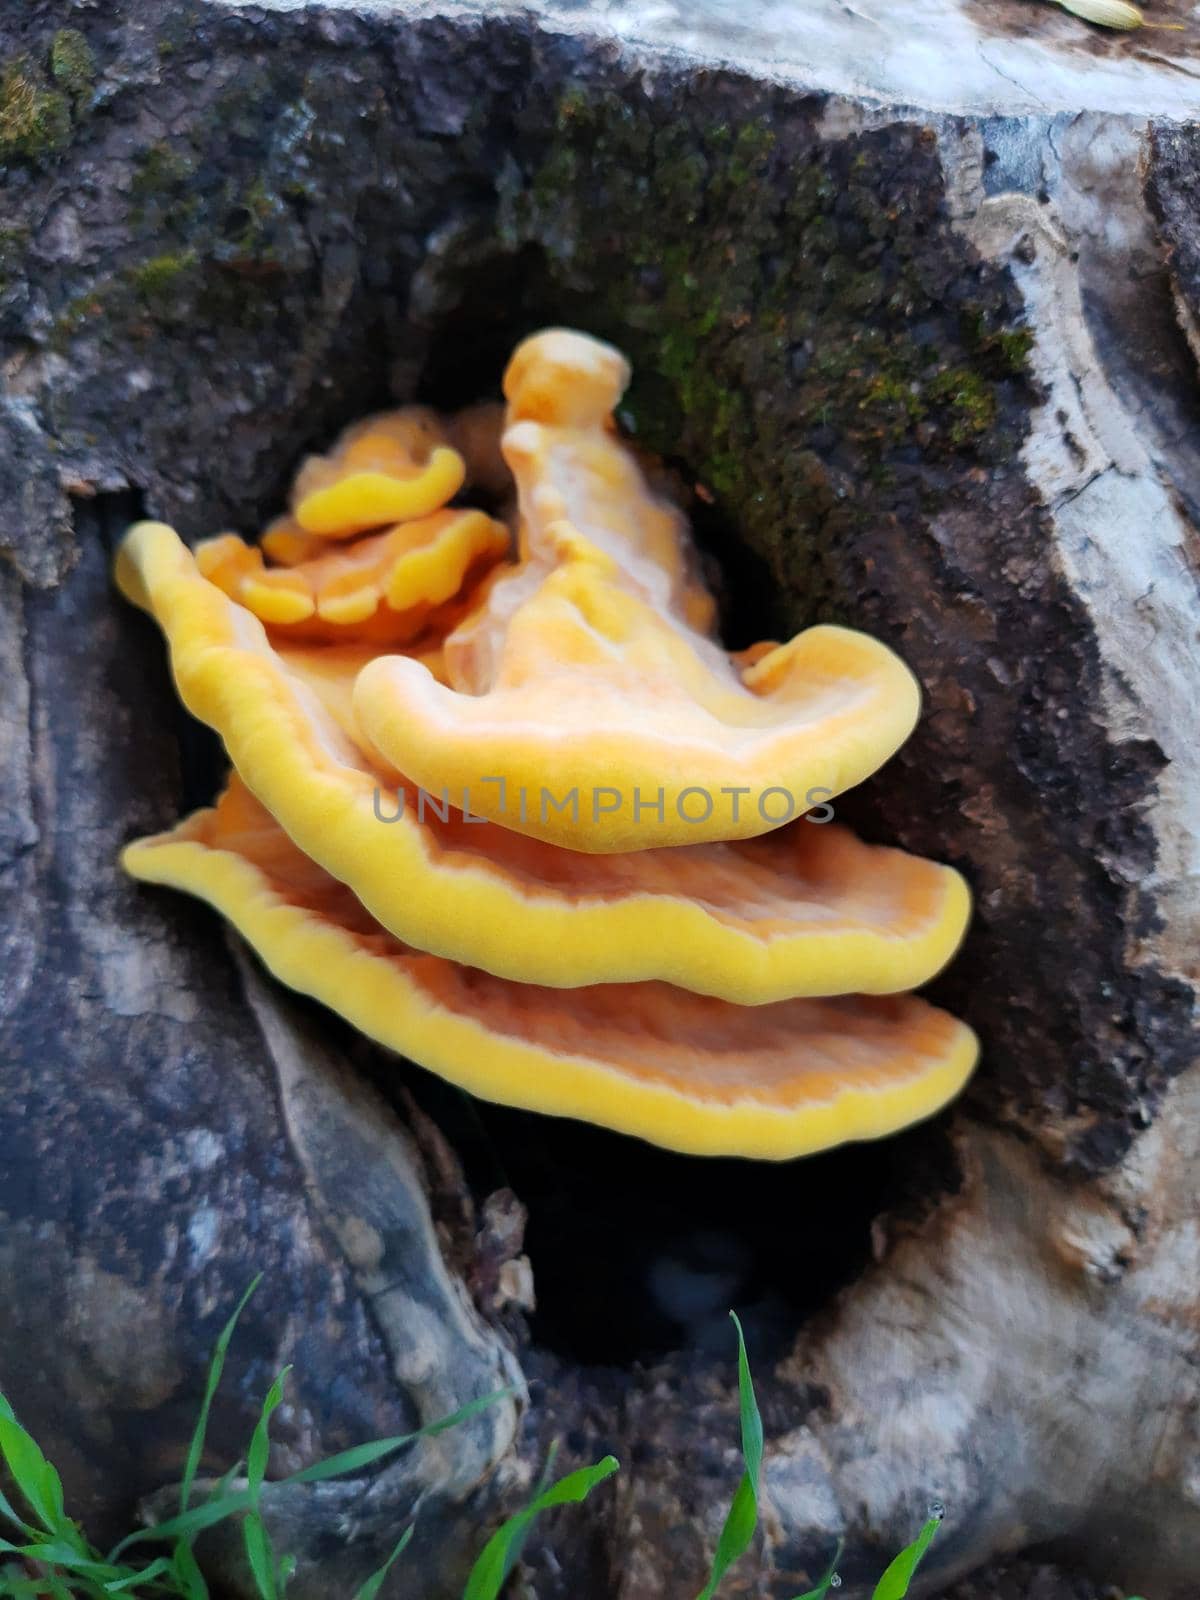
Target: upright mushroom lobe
<point>596,675</point>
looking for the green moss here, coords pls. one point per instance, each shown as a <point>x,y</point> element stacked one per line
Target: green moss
<point>14,240</point>
<point>158,281</point>
<point>1006,351</point>
<point>969,399</point>
<point>161,170</point>
<point>72,64</point>
<point>891,402</point>
<point>175,31</point>
<point>77,315</point>
<point>35,121</point>
<point>815,354</point>
<point>161,197</point>
<point>751,146</point>
<point>573,102</point>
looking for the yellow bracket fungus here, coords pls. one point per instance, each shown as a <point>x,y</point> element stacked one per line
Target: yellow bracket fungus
<point>519,819</point>
<point>386,469</point>
<point>807,910</point>
<point>589,671</point>
<point>383,586</point>
<point>680,1069</point>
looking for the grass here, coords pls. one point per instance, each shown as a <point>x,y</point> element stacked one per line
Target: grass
<point>47,1554</point>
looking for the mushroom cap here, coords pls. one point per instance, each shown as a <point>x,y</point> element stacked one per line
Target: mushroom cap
<point>382,586</point>
<point>387,468</point>
<point>591,668</point>
<point>808,910</point>
<point>682,1070</point>
<point>594,692</point>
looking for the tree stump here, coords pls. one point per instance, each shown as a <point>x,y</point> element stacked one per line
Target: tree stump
<point>912,296</point>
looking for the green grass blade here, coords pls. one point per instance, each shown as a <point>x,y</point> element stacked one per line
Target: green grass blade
<point>895,1581</point>
<point>829,1581</point>
<point>186,1524</point>
<point>545,1479</point>
<point>752,1428</point>
<point>254,1529</point>
<point>189,1523</point>
<point>9,1511</point>
<point>156,1569</point>
<point>46,1584</point>
<point>186,1574</point>
<point>489,1572</point>
<point>215,1368</point>
<point>260,1555</point>
<point>55,1553</point>
<point>221,1487</point>
<point>16,1587</point>
<point>742,1518</point>
<point>260,1442</point>
<point>375,1582</point>
<point>40,1485</point>
<point>366,1455</point>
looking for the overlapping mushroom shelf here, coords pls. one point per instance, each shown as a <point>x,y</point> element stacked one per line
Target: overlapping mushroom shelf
<point>520,818</point>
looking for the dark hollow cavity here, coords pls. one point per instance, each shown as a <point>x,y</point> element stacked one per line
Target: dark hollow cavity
<point>639,1251</point>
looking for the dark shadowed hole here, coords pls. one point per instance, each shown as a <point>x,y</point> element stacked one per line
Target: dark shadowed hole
<point>638,1251</point>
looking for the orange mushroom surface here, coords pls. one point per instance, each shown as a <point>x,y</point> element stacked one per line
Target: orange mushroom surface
<point>383,586</point>
<point>685,1070</point>
<point>385,469</point>
<point>807,910</point>
<point>590,672</point>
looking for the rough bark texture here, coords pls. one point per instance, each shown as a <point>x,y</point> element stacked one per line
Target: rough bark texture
<point>929,370</point>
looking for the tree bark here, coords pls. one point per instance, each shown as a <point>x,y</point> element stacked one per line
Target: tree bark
<point>911,296</point>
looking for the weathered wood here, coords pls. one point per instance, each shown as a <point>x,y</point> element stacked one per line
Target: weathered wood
<point>909,293</point>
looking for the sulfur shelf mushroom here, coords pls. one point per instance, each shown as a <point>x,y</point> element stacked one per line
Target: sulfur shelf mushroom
<point>590,670</point>
<point>808,910</point>
<point>404,834</point>
<point>382,587</point>
<point>388,468</point>
<point>682,1070</point>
